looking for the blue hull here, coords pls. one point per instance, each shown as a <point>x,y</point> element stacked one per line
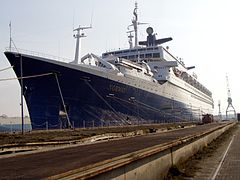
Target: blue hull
<point>90,100</point>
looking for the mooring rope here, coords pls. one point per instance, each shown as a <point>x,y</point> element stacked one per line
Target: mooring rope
<point>147,107</point>
<point>118,100</point>
<point>95,91</point>
<point>6,68</point>
<point>26,77</point>
<point>157,110</point>
<point>64,106</point>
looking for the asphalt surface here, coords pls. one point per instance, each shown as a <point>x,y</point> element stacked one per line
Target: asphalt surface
<point>45,164</point>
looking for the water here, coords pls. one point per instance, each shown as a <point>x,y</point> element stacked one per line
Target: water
<point>14,127</point>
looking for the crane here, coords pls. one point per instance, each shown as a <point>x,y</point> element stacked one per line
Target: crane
<point>230,107</point>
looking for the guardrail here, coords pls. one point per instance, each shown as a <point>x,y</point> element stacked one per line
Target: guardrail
<point>38,54</point>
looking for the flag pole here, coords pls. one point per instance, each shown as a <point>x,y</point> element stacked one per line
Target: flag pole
<point>10,43</point>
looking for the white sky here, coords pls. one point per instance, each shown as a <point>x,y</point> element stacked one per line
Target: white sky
<point>205,34</point>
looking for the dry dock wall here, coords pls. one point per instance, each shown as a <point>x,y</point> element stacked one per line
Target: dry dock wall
<point>156,165</point>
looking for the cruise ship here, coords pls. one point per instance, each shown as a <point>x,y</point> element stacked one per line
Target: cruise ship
<point>143,84</point>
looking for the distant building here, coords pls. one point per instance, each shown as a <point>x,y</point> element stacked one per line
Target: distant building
<point>4,116</point>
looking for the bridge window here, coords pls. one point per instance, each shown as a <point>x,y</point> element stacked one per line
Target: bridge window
<point>150,48</point>
<point>119,52</point>
<point>156,55</point>
<point>148,55</point>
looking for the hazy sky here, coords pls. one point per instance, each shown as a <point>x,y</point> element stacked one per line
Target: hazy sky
<point>205,34</point>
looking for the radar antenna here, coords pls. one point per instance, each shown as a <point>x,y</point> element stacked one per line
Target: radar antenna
<point>135,24</point>
<point>230,107</point>
<point>79,35</point>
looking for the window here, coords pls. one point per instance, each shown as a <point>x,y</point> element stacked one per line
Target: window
<point>150,48</point>
<point>148,55</point>
<point>156,55</point>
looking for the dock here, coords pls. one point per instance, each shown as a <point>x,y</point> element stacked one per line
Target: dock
<point>228,167</point>
<point>136,157</point>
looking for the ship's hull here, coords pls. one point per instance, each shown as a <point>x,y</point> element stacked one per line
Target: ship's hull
<point>94,98</point>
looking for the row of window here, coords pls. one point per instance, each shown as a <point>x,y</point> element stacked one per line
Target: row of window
<point>149,55</point>
<point>130,50</point>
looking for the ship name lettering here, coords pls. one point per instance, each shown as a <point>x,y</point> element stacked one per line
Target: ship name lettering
<point>115,88</point>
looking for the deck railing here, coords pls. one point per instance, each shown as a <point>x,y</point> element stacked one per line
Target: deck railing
<point>38,54</point>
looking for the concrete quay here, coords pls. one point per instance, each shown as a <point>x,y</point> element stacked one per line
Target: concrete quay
<point>140,157</point>
<point>229,166</point>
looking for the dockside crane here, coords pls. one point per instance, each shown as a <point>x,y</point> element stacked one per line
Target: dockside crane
<point>230,107</point>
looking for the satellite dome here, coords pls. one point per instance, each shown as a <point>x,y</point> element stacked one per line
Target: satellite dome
<point>149,30</point>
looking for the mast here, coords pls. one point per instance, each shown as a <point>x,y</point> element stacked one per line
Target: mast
<point>79,35</point>
<point>10,42</point>
<point>21,74</point>
<point>135,24</point>
<point>130,37</point>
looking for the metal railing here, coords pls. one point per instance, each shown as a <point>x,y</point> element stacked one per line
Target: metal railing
<point>38,54</point>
